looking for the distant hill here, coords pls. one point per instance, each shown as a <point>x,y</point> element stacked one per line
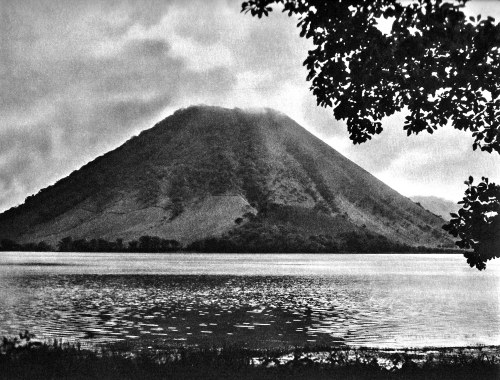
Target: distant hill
<point>207,172</point>
<point>438,206</point>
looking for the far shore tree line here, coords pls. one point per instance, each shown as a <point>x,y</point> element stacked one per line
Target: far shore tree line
<point>68,244</point>
<point>275,239</point>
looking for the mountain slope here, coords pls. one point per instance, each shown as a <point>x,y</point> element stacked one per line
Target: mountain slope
<point>206,170</point>
<point>438,206</point>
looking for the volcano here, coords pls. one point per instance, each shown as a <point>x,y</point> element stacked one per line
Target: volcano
<point>204,172</point>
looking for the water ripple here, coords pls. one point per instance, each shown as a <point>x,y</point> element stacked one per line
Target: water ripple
<point>254,310</point>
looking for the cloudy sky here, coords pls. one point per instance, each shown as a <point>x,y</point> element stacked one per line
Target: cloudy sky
<point>80,77</point>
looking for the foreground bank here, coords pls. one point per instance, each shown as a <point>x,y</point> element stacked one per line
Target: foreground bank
<point>27,359</point>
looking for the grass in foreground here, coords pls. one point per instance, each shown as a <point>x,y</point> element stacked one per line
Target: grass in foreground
<point>25,359</point>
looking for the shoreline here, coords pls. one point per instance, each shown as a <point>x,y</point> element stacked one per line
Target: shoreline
<point>28,358</point>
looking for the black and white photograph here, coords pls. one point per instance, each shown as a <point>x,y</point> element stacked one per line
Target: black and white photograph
<point>259,189</point>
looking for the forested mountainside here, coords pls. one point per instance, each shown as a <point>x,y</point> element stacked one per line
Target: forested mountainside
<point>207,172</point>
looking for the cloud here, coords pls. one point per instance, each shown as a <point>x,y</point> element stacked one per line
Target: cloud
<point>63,100</point>
<point>21,151</point>
<point>25,140</point>
<point>424,164</point>
<point>78,78</point>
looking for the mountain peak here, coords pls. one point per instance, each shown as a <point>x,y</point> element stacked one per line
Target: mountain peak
<point>205,171</point>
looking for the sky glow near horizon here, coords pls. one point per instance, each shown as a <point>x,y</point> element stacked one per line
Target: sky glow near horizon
<point>79,78</point>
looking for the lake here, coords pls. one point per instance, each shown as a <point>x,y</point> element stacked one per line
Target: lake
<point>267,300</point>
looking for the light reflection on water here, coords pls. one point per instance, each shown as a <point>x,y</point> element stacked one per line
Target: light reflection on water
<point>260,300</point>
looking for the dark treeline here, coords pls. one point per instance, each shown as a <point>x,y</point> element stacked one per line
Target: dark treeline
<point>67,244</point>
<point>11,245</point>
<point>253,237</point>
<point>144,244</point>
<point>257,237</point>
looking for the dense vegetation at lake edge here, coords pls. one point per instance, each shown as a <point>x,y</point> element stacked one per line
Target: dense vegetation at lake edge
<point>27,359</point>
<point>249,238</point>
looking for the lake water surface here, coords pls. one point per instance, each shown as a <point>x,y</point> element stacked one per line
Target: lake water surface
<point>396,300</point>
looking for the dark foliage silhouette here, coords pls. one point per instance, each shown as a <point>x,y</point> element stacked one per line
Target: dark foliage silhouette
<point>10,245</point>
<point>259,237</point>
<point>435,62</point>
<point>477,223</point>
<point>144,244</point>
<point>26,358</point>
